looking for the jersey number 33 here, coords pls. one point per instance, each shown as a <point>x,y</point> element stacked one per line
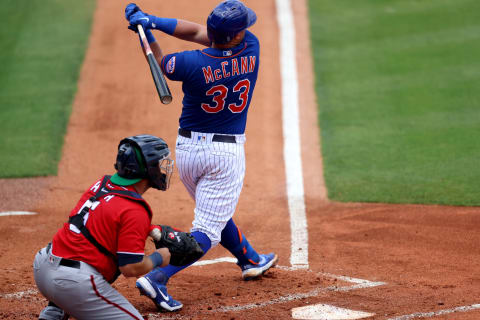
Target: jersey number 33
<point>220,92</point>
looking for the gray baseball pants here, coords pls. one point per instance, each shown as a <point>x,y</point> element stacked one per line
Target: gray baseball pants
<point>81,291</point>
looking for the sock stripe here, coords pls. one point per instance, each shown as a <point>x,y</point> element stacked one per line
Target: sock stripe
<point>240,238</point>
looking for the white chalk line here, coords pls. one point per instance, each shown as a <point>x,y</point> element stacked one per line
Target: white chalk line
<point>291,136</point>
<point>313,293</point>
<point>357,284</point>
<point>218,260</point>
<point>350,279</point>
<point>361,283</point>
<point>16,213</point>
<point>19,294</point>
<point>437,313</point>
<point>357,281</point>
<point>281,299</point>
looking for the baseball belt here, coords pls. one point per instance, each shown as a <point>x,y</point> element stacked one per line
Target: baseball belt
<point>216,137</point>
<point>65,262</point>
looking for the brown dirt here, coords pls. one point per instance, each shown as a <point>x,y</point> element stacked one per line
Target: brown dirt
<point>428,256</point>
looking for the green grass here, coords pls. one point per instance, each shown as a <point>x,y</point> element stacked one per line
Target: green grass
<point>41,50</point>
<point>398,86</point>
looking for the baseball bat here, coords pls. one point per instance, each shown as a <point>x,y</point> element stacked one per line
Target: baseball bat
<point>158,78</point>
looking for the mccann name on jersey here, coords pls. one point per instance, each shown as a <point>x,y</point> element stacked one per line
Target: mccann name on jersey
<point>230,68</point>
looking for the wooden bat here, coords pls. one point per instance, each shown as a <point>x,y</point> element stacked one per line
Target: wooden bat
<point>158,77</point>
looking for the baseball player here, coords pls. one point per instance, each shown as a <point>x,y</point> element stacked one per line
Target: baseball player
<point>218,84</point>
<point>105,237</point>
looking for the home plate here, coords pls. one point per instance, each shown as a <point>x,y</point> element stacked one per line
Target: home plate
<point>327,312</point>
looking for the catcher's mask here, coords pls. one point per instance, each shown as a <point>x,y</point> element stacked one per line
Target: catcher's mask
<point>227,19</point>
<point>143,157</point>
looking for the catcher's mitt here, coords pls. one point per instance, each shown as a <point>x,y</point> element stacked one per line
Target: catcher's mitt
<point>183,247</point>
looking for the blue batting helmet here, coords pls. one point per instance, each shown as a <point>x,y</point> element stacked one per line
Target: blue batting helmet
<point>227,19</point>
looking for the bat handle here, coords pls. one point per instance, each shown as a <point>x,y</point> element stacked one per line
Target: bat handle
<point>143,37</point>
<point>158,78</point>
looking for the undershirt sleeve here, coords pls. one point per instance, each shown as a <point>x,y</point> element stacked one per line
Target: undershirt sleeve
<point>124,259</point>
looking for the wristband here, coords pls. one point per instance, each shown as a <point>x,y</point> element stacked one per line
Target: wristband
<point>148,35</point>
<point>156,258</point>
<point>166,25</point>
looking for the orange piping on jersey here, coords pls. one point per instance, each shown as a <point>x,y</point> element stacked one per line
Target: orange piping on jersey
<point>236,54</point>
<point>161,63</point>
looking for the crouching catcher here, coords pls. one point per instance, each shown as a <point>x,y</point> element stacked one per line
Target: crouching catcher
<point>105,236</point>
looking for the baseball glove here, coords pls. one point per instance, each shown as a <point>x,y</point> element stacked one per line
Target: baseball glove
<point>183,247</point>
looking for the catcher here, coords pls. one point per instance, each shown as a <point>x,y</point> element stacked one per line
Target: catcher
<point>105,236</point>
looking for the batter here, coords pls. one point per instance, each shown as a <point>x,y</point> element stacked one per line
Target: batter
<point>218,83</point>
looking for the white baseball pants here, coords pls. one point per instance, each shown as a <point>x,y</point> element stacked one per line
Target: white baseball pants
<point>213,174</point>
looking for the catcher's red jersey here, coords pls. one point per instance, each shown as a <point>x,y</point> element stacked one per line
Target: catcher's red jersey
<point>119,224</point>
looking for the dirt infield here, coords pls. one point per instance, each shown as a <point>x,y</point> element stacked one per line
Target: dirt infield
<point>388,260</point>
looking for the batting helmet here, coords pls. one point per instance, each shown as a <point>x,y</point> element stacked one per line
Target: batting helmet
<point>227,19</point>
<point>143,157</point>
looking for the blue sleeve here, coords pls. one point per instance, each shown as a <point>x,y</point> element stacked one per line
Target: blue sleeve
<point>173,66</point>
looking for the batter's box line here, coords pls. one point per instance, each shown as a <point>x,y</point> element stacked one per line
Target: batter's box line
<point>19,294</point>
<point>437,313</point>
<point>357,284</point>
<point>364,283</point>
<point>282,299</point>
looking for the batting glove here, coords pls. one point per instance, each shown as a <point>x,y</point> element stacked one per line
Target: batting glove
<point>145,20</point>
<point>148,21</point>
<point>130,9</point>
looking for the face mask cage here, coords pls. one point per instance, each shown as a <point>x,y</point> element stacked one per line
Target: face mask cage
<point>165,167</point>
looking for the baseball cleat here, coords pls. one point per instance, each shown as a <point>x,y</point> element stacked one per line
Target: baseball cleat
<point>158,294</point>
<point>252,271</point>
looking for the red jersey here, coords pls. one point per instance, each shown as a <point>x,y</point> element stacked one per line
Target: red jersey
<point>119,224</point>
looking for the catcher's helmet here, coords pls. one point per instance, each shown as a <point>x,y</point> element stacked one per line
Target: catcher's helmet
<point>227,19</point>
<point>143,157</point>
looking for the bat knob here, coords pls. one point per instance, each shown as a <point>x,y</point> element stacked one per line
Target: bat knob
<point>166,99</point>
